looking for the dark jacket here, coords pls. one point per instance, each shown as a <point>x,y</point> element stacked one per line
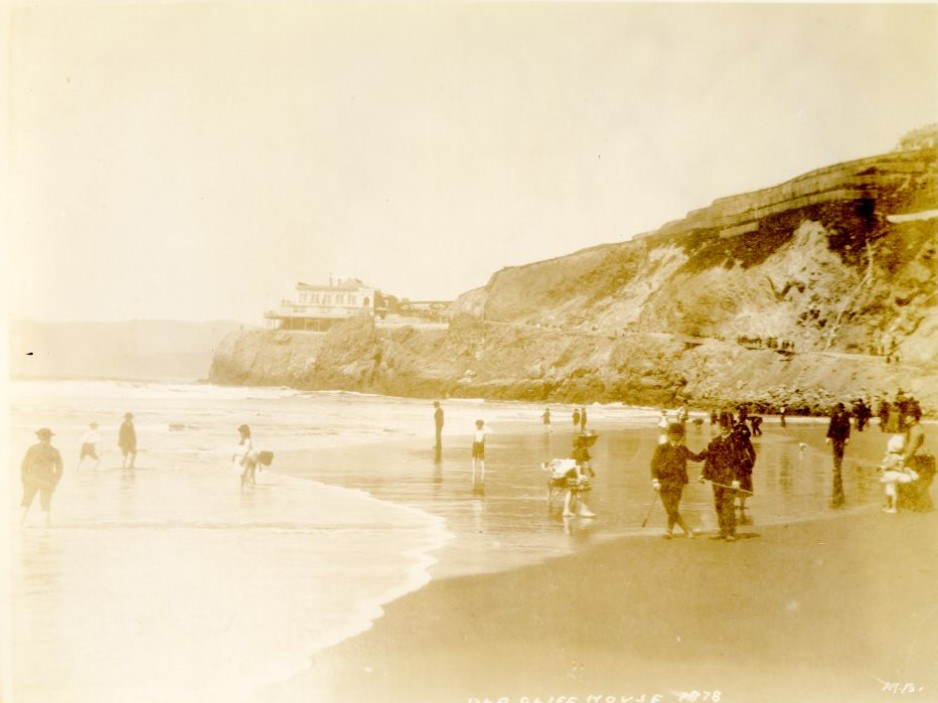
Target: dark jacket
<point>669,463</point>
<point>724,460</point>
<point>746,453</point>
<point>839,428</point>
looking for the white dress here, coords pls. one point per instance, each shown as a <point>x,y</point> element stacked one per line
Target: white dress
<point>241,451</point>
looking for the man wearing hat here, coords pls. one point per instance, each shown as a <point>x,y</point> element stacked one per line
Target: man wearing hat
<point>669,475</point>
<point>41,471</point>
<point>127,440</point>
<point>838,434</point>
<point>722,468</point>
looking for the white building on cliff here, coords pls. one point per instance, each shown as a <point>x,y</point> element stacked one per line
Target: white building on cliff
<point>317,308</point>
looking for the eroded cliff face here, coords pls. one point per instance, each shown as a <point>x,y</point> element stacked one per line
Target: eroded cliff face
<point>796,294</point>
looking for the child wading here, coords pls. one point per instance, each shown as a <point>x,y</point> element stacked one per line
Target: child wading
<point>244,460</point>
<point>478,452</point>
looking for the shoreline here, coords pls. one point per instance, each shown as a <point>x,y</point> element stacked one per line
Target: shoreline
<point>834,610</point>
<point>823,607</point>
<point>376,467</point>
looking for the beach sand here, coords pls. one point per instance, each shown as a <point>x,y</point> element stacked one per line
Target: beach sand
<point>843,607</point>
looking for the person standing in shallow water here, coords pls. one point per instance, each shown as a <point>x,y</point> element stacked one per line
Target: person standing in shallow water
<point>669,476</point>
<point>127,441</point>
<point>574,503</point>
<point>576,418</point>
<point>41,472</point>
<point>244,459</point>
<point>838,434</point>
<point>478,452</point>
<point>438,424</point>
<point>545,418</point>
<point>90,446</point>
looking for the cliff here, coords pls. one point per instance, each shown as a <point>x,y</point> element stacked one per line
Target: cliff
<point>819,289</point>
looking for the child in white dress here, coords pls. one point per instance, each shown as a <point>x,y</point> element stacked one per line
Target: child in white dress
<point>894,471</point>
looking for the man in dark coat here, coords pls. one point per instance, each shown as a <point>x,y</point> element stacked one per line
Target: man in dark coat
<point>838,434</point>
<point>746,459</point>
<point>722,469</point>
<point>41,471</point>
<point>669,475</point>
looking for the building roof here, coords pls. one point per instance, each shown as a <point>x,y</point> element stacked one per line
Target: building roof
<point>348,284</point>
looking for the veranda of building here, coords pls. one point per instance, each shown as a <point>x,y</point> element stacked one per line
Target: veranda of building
<point>317,308</point>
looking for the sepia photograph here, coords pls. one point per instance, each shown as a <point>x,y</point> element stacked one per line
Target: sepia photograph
<point>469,351</point>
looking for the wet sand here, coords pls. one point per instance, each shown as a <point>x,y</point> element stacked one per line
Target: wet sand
<point>838,607</point>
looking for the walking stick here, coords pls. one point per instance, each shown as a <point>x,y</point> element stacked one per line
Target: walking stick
<point>650,508</point>
<point>723,485</point>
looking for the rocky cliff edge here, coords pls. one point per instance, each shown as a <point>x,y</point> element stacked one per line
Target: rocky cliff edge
<point>817,290</point>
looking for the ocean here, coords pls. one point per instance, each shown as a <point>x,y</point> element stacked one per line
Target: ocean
<point>170,582</point>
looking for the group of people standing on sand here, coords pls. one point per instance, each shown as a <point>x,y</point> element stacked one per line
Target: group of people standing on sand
<point>892,414</point>
<point>42,467</point>
<point>728,462</point>
<point>907,468</point>
<point>579,418</point>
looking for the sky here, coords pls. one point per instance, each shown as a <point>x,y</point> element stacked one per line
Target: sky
<point>195,160</point>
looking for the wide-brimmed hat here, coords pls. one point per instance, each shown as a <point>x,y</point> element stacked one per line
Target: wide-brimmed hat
<point>586,437</point>
<point>676,429</point>
<point>44,432</point>
<point>244,429</point>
